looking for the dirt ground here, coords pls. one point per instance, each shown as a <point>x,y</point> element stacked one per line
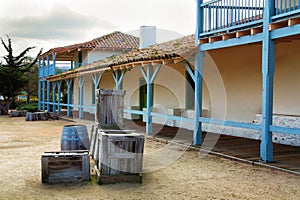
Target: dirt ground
<point>189,177</point>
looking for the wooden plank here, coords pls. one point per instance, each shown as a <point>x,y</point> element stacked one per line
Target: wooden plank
<point>294,21</point>
<point>45,169</point>
<point>85,168</point>
<point>256,30</point>
<point>243,33</point>
<point>278,25</point>
<point>228,36</point>
<point>178,60</point>
<point>203,41</point>
<point>168,61</point>
<point>214,39</point>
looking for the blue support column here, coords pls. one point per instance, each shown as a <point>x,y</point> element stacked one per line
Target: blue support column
<point>59,96</point>
<point>48,96</point>
<point>199,65</point>
<point>53,96</point>
<point>96,81</point>
<point>149,128</point>
<point>118,77</point>
<point>268,62</point>
<point>69,84</point>
<point>43,95</point>
<point>54,63</point>
<point>39,86</point>
<point>81,83</point>
<point>199,20</point>
<point>149,77</point>
<point>43,67</point>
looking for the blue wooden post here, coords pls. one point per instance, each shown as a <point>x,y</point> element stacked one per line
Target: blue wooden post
<point>81,82</point>
<point>48,60</point>
<point>149,128</point>
<point>43,67</point>
<point>39,85</point>
<point>268,62</point>
<point>199,65</point>
<point>48,96</point>
<point>53,96</point>
<point>59,96</point>
<point>118,77</point>
<point>149,78</point>
<point>69,84</point>
<point>96,81</point>
<point>54,63</point>
<point>43,95</point>
<point>199,20</point>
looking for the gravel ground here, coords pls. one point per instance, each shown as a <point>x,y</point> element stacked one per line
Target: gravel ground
<point>177,174</point>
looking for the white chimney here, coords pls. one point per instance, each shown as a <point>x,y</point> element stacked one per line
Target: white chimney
<point>147,36</point>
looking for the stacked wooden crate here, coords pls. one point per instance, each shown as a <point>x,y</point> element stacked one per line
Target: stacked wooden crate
<point>110,106</point>
<point>65,167</point>
<point>118,153</point>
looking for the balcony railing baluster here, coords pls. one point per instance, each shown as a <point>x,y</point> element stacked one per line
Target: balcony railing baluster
<point>228,15</point>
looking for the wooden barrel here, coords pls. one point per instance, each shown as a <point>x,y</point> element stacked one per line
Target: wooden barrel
<point>75,137</point>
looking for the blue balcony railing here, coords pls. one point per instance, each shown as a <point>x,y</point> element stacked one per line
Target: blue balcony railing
<point>225,15</point>
<point>222,16</point>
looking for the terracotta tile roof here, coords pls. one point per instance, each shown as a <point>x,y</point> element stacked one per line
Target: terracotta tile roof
<point>113,41</point>
<point>181,48</point>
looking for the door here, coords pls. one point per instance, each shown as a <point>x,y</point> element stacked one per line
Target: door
<point>143,94</point>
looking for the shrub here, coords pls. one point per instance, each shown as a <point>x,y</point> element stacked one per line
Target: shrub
<point>33,107</point>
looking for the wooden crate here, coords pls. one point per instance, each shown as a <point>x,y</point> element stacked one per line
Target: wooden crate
<point>120,156</point>
<point>65,167</point>
<point>94,143</point>
<point>110,106</point>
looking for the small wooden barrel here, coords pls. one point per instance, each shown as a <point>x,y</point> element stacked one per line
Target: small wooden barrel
<point>75,137</point>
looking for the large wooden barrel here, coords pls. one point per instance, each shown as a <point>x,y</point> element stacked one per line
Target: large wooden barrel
<point>75,137</point>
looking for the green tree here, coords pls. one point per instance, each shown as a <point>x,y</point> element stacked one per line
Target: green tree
<point>13,74</point>
<point>31,88</point>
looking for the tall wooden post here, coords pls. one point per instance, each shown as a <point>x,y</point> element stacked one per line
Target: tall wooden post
<point>268,62</point>
<point>54,63</point>
<point>199,20</point>
<point>81,83</point>
<point>43,94</point>
<point>149,77</point>
<point>59,96</point>
<point>199,65</point>
<point>69,84</point>
<point>53,96</point>
<point>48,96</point>
<point>96,81</point>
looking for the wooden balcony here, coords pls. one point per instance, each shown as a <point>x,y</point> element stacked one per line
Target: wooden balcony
<point>225,19</point>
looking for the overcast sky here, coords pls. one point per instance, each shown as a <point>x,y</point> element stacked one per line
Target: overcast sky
<point>51,23</point>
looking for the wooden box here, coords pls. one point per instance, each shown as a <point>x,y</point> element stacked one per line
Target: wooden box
<point>110,106</point>
<point>65,167</point>
<point>120,156</point>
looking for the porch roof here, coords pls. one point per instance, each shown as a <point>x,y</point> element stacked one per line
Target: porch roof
<point>168,52</point>
<point>113,41</point>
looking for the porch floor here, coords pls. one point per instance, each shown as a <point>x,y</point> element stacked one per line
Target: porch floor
<point>285,157</point>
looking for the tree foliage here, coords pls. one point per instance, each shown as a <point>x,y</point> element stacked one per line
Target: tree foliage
<point>14,74</point>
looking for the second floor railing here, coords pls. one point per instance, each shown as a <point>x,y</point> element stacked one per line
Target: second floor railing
<point>219,16</point>
<point>224,15</point>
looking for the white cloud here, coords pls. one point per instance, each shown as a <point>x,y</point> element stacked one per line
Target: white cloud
<point>59,23</point>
